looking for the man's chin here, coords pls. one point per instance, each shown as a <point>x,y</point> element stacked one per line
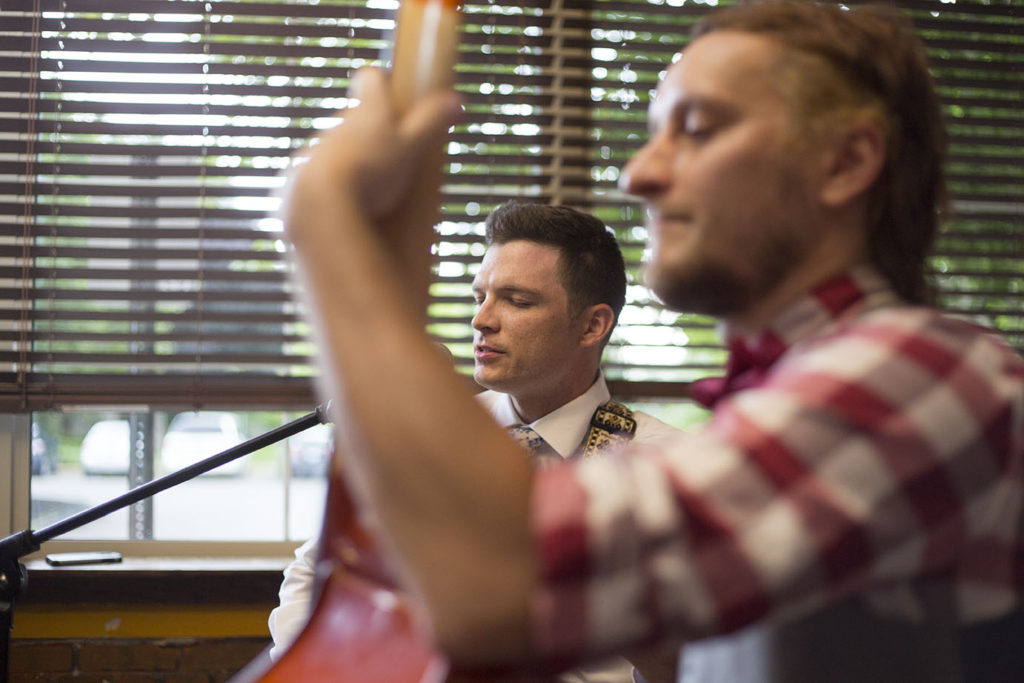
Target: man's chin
<point>489,380</point>
<point>707,290</point>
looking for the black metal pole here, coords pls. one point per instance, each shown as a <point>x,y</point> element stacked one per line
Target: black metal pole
<point>16,546</point>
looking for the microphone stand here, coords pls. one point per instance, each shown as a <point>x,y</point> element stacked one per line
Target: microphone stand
<point>13,575</point>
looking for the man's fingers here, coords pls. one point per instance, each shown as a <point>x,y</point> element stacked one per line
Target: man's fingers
<point>366,82</point>
<point>433,115</point>
<point>429,121</point>
<point>375,155</point>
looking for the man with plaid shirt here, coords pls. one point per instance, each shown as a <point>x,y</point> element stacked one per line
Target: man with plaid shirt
<point>853,511</point>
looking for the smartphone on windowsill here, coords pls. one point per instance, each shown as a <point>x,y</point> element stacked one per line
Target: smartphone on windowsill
<point>75,559</point>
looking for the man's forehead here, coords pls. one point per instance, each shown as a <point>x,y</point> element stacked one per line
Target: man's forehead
<point>520,261</point>
<point>720,67</point>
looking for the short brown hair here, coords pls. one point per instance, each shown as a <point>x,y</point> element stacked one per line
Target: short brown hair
<point>879,63</point>
<point>593,270</point>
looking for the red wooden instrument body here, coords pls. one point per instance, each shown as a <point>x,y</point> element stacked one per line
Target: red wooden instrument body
<point>362,628</point>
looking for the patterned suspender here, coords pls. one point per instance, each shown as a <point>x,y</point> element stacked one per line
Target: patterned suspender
<point>611,424</point>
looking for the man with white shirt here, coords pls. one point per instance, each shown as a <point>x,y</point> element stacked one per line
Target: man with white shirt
<point>548,294</point>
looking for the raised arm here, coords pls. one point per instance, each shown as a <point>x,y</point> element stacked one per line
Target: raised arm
<point>449,488</point>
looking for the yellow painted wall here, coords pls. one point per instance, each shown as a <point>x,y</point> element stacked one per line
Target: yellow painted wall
<point>119,621</point>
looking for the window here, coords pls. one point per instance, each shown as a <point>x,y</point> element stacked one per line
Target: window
<point>141,265</point>
<point>276,493</point>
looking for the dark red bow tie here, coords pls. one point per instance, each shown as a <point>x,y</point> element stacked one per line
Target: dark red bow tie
<point>748,363</point>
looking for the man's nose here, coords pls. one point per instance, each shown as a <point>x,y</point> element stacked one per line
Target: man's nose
<point>649,172</point>
<point>485,317</point>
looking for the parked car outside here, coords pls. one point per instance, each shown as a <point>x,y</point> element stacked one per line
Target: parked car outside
<point>106,448</point>
<point>309,451</point>
<point>195,436</point>
<point>44,451</point>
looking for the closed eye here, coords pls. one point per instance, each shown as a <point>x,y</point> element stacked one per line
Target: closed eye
<point>696,126</point>
<point>700,120</point>
<point>698,133</point>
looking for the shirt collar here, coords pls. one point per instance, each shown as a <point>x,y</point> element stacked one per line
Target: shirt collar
<point>818,312</point>
<point>563,428</point>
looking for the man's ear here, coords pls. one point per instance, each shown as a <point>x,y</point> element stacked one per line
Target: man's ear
<point>597,322</point>
<point>857,158</point>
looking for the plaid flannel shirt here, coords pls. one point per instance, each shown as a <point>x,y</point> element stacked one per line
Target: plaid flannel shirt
<point>881,453</point>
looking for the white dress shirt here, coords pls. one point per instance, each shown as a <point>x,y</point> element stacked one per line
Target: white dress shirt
<point>564,430</point>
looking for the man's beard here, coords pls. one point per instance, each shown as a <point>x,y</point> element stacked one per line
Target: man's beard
<point>715,287</point>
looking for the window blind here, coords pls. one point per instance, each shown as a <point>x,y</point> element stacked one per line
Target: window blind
<point>977,56</point>
<point>141,150</point>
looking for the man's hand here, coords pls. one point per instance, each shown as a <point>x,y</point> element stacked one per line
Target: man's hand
<point>370,164</point>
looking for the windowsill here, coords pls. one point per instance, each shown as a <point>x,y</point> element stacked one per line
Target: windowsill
<point>156,581</point>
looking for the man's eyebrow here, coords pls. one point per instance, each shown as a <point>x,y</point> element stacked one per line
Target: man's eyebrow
<point>682,106</point>
<point>515,289</point>
<point>508,290</point>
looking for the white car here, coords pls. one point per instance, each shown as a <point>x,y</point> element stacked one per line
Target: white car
<point>106,448</point>
<point>195,436</point>
<point>309,451</point>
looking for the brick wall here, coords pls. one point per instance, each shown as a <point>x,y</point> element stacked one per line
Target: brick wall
<point>106,660</point>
